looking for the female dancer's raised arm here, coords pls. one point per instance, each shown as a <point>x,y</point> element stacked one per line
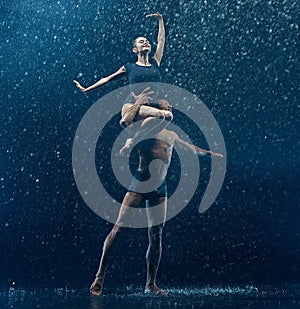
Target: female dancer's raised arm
<point>161,37</point>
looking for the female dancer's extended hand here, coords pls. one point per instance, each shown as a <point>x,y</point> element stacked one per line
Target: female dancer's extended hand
<point>158,15</point>
<point>79,86</point>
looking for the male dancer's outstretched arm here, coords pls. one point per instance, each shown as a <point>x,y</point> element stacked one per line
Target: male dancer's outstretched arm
<point>196,149</point>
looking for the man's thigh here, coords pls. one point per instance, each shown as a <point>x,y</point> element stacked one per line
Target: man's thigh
<point>156,211</point>
<point>131,200</point>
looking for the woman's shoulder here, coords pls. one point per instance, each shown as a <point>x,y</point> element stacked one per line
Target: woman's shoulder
<point>154,62</point>
<point>129,67</point>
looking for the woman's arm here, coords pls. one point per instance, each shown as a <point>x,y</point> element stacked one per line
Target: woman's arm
<point>161,37</point>
<point>100,82</point>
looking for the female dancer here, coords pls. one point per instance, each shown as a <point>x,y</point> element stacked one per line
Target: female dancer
<point>143,70</point>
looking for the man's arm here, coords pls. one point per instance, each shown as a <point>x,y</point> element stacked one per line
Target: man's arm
<point>195,149</point>
<point>140,108</point>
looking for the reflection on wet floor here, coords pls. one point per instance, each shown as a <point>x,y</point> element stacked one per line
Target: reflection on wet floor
<point>287,296</point>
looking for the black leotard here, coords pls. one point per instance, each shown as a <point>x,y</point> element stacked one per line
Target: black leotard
<point>143,74</point>
<point>137,74</point>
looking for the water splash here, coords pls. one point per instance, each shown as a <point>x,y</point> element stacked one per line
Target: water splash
<point>133,297</point>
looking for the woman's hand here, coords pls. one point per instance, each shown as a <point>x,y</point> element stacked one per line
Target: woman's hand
<point>158,15</point>
<point>79,86</point>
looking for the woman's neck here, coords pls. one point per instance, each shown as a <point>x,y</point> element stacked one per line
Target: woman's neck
<point>143,59</point>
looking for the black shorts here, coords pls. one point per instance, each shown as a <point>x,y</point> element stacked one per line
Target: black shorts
<point>160,192</point>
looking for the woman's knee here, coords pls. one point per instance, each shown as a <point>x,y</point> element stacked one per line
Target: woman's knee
<point>125,108</point>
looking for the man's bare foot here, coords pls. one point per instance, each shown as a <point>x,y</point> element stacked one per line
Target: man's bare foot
<point>96,287</point>
<point>155,290</point>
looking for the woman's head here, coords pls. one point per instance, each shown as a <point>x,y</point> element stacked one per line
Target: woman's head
<point>140,45</point>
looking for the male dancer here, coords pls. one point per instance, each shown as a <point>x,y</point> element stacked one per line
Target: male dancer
<point>159,148</point>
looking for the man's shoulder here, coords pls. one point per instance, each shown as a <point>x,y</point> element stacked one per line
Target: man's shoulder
<point>169,136</point>
<point>171,133</point>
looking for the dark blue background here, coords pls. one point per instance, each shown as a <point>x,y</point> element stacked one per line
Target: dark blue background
<point>239,57</point>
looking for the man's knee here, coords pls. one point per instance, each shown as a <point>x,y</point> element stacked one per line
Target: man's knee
<point>155,233</point>
<point>117,229</point>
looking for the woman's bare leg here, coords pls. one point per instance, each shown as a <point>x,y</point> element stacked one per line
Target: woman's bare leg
<point>131,112</point>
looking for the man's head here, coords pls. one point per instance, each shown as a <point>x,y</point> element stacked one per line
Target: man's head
<point>165,105</point>
<point>141,44</point>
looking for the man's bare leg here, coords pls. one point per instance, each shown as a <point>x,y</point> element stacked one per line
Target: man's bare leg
<point>108,248</point>
<point>130,199</point>
<point>154,251</point>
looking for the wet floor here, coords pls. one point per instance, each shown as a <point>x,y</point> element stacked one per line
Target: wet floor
<point>285,296</point>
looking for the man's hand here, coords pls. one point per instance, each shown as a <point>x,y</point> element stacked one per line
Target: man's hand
<point>144,97</point>
<point>216,154</point>
<point>130,113</point>
<point>209,153</point>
